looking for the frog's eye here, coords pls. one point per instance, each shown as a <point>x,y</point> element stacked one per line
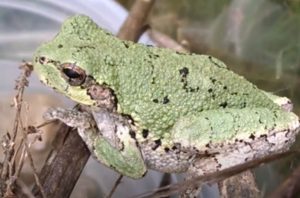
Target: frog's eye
<point>73,74</point>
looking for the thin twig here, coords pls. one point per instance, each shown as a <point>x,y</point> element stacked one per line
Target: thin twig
<point>35,173</point>
<point>134,25</point>
<point>22,82</point>
<point>27,148</point>
<point>18,168</point>
<point>45,123</point>
<point>25,189</point>
<point>9,163</point>
<point>6,145</point>
<point>118,181</point>
<point>21,160</point>
<point>163,40</point>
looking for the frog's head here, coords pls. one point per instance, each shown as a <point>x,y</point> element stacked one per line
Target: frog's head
<point>67,63</point>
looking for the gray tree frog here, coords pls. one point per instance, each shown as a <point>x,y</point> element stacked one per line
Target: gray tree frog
<point>159,109</point>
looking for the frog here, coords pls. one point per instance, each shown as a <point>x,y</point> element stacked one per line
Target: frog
<point>154,108</point>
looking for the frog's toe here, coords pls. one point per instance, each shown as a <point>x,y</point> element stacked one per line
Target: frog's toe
<point>51,114</point>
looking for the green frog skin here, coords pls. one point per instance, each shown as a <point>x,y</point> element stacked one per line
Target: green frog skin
<point>155,108</point>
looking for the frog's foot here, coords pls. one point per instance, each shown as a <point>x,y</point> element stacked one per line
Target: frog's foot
<point>127,159</point>
<point>117,146</point>
<point>72,118</point>
<point>113,127</point>
<point>108,124</point>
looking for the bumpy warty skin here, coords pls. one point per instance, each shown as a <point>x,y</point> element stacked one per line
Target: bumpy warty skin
<point>184,107</point>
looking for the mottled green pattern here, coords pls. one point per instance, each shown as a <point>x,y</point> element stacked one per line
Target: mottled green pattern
<point>187,112</point>
<point>155,86</point>
<point>230,125</point>
<point>128,162</point>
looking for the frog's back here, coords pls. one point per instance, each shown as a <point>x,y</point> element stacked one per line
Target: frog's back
<point>157,86</point>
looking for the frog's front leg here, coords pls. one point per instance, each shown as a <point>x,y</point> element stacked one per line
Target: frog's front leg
<point>113,145</point>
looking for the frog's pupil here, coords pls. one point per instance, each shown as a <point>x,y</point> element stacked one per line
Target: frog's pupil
<point>71,73</point>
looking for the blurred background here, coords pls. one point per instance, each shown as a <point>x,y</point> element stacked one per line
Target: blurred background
<point>259,39</point>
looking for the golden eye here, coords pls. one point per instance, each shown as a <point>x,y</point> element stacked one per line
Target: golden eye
<point>74,75</point>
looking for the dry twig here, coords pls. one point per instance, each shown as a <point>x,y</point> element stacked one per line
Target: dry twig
<point>134,26</point>
<point>27,149</point>
<point>8,173</point>
<point>115,186</point>
<point>163,40</point>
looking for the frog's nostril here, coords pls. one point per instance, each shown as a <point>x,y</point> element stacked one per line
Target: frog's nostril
<point>42,60</point>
